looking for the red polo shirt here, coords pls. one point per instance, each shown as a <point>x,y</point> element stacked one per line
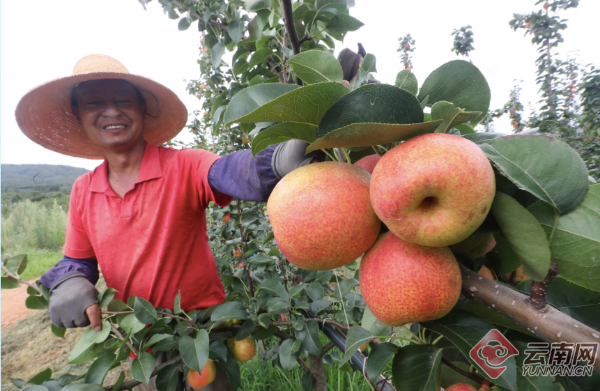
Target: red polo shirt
<point>152,242</point>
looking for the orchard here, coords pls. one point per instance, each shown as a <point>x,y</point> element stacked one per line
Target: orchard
<point>405,250</point>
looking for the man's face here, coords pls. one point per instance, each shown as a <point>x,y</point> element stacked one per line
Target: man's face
<point>110,113</point>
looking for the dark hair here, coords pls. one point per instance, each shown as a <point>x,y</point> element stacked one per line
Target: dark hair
<point>138,94</point>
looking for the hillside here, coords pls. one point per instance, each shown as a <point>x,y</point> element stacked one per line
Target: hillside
<point>42,177</point>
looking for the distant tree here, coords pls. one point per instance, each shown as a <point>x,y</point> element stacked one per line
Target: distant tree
<point>406,45</point>
<point>463,41</point>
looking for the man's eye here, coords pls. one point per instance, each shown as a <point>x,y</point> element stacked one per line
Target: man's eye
<point>93,102</point>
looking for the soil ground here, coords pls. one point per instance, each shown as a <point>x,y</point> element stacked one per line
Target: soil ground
<point>28,345</point>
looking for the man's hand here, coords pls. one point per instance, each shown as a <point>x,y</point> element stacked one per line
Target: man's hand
<point>291,155</point>
<point>73,302</point>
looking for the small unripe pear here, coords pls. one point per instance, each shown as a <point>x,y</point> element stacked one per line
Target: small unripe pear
<point>242,350</point>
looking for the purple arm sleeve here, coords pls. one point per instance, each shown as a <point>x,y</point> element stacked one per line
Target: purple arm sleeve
<point>242,176</point>
<point>69,265</point>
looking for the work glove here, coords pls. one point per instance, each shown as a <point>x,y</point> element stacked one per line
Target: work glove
<point>291,155</point>
<point>70,296</point>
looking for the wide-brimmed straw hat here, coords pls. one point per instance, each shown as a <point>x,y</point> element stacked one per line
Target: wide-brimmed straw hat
<point>45,115</point>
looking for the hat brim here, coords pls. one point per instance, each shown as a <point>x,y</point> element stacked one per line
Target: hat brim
<point>45,115</point>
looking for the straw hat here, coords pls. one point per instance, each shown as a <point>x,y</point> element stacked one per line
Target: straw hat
<point>44,114</point>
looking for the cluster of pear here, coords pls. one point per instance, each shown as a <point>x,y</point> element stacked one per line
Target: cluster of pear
<point>431,191</point>
<point>242,351</point>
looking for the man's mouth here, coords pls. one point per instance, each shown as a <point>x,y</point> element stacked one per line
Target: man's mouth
<point>113,127</point>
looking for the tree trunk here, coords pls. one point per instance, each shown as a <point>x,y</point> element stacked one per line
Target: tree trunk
<point>317,369</point>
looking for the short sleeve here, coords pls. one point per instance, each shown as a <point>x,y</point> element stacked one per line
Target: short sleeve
<point>77,243</point>
<point>207,194</point>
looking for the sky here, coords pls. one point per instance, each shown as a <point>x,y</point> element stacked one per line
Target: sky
<point>44,40</point>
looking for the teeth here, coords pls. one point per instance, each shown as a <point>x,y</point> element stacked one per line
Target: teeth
<point>114,127</point>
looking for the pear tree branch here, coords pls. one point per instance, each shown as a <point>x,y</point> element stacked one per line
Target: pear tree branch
<point>9,274</point>
<point>547,323</point>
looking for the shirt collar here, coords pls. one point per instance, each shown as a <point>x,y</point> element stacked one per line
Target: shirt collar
<point>150,169</point>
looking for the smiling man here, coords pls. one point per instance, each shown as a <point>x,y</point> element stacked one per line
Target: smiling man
<point>140,215</point>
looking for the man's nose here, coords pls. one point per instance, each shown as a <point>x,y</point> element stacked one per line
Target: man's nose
<point>110,110</point>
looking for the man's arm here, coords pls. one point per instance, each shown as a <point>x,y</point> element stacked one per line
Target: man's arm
<point>242,176</point>
<point>88,268</point>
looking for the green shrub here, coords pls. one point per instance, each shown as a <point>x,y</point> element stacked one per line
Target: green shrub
<point>32,226</point>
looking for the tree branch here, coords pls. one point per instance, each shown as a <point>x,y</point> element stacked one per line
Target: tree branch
<point>538,288</point>
<point>548,323</point>
<point>122,338</point>
<point>9,274</point>
<point>327,348</point>
<point>250,282</point>
<point>288,18</point>
<point>468,375</point>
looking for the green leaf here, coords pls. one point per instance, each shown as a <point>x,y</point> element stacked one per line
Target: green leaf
<point>309,336</point>
<point>259,56</point>
<point>373,325</point>
<point>250,99</point>
<point>232,367</point>
<point>117,385</point>
<point>68,379</point>
<point>316,66</point>
<point>98,370</point>
<point>104,332</point>
<point>229,310</point>
<point>525,235</point>
<point>550,170</point>
<point>117,305</point>
<point>283,132</point>
<point>167,378</point>
<point>105,297</point>
<point>142,367</point>
<point>58,331</point>
<point>144,311</point>
<point>449,376</point>
<point>216,54</point>
<point>194,351</point>
<point>480,138</point>
<point>531,383</point>
<point>368,134</point>
<point>17,382</point>
<point>255,5</point>
<point>177,305</point>
<point>17,264</point>
<point>41,377</point>
<point>407,80</point>
<point>345,286</point>
<point>494,317</point>
<point>315,291</point>
<point>156,338</point>
<point>356,337</point>
<point>379,357</point>
<point>509,260</point>
<point>304,105</point>
<point>183,24</point>
<point>372,103</point>
<point>415,366</point>
<point>83,387</point>
<point>576,243</point>
<point>131,324</point>
<point>277,305</point>
<point>464,129</point>
<point>288,352</point>
<point>344,22</point>
<point>461,83</point>
<point>246,330</point>
<point>450,115</point>
<point>319,305</point>
<point>274,286</point>
<point>465,330</point>
<point>9,283</point>
<point>36,303</point>
<point>234,29</point>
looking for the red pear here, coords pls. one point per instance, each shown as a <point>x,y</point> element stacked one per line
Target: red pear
<point>322,216</point>
<point>403,282</point>
<point>434,189</point>
<point>368,162</point>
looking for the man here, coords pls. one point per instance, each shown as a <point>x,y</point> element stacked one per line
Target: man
<point>140,215</point>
